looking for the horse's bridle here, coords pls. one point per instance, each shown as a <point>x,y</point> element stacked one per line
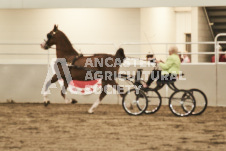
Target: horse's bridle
<point>49,36</point>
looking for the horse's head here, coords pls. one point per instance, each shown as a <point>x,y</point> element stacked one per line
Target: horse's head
<point>51,38</point>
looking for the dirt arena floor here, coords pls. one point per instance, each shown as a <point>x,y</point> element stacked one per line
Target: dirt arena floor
<point>60,127</point>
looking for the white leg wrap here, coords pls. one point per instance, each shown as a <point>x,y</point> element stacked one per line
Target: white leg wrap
<point>95,105</point>
<point>67,100</point>
<point>45,95</point>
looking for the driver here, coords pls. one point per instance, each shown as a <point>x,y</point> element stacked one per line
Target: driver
<point>170,69</point>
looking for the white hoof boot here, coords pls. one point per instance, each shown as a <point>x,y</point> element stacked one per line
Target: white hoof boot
<point>90,111</point>
<point>67,101</point>
<point>94,106</point>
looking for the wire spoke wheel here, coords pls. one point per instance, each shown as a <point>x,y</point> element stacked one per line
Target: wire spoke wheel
<point>154,101</point>
<point>201,101</point>
<point>182,103</point>
<point>134,102</point>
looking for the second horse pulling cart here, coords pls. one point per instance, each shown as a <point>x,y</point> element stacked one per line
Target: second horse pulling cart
<point>182,102</point>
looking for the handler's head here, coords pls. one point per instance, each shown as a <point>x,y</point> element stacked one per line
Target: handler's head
<point>173,50</point>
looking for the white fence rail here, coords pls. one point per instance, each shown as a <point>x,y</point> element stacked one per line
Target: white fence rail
<point>165,53</point>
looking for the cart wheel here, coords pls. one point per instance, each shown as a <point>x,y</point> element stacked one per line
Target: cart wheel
<point>201,101</point>
<point>182,103</point>
<point>154,101</point>
<point>134,102</point>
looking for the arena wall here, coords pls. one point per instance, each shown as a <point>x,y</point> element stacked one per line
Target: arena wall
<point>23,83</point>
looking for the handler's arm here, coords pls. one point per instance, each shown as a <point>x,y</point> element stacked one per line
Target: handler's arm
<point>167,65</point>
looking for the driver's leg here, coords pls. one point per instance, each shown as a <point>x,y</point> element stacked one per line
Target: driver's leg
<point>155,74</point>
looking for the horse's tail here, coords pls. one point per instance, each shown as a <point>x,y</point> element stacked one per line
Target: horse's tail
<point>120,54</point>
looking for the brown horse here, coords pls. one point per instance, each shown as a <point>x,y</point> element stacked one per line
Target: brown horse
<point>81,66</point>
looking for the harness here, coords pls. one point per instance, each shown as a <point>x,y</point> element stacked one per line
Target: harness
<point>76,58</point>
<point>79,67</point>
<point>82,68</point>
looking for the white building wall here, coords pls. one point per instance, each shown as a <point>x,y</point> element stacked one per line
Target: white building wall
<point>183,26</point>
<point>80,25</point>
<point>157,26</point>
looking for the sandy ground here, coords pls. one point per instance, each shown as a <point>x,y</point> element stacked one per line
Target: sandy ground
<point>33,127</point>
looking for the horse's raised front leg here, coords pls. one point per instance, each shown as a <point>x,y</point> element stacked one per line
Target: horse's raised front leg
<point>45,95</point>
<point>97,102</point>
